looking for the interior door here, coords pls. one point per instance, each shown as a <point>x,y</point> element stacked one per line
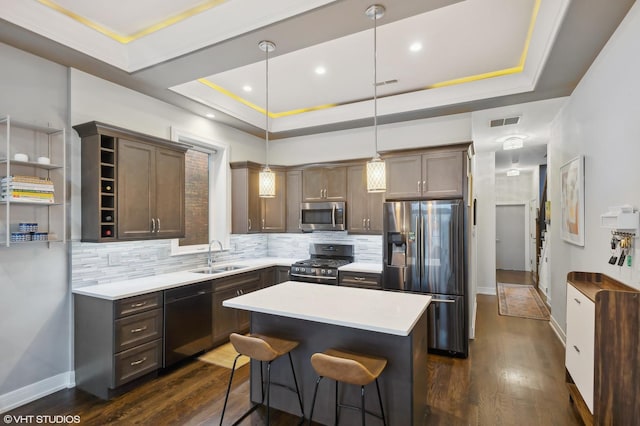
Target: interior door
<point>510,237</point>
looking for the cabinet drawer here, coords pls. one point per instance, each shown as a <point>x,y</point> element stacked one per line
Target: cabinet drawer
<point>137,329</point>
<point>580,342</point>
<point>135,304</point>
<point>360,279</point>
<point>246,278</point>
<point>137,362</point>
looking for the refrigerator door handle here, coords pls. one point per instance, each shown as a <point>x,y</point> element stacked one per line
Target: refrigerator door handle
<point>442,301</point>
<point>422,253</point>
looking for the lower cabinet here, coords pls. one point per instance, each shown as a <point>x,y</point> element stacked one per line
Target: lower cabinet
<point>360,279</point>
<point>282,274</point>
<point>229,320</point>
<point>116,341</point>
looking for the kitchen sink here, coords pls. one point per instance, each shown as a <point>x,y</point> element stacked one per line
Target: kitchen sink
<point>218,269</point>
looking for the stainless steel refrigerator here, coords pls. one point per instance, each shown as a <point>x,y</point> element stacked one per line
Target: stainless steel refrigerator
<point>424,252</point>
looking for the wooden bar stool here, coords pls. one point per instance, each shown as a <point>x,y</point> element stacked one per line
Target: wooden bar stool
<point>351,368</point>
<point>264,349</point>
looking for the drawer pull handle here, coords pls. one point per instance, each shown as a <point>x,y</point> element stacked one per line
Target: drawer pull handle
<point>577,301</point>
<point>576,348</point>
<point>138,362</point>
<point>138,330</point>
<point>359,278</point>
<point>138,305</point>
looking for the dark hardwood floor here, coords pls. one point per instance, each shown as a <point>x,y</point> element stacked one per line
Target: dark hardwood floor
<point>515,277</point>
<point>514,376</point>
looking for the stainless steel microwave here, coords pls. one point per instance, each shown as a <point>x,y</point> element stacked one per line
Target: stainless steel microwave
<point>323,216</point>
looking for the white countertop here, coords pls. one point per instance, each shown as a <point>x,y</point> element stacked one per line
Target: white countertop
<point>372,268</point>
<point>127,288</point>
<point>374,310</point>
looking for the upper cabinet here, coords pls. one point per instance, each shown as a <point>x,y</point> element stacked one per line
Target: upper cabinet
<point>428,175</point>
<point>324,184</point>
<point>132,185</point>
<point>249,212</point>
<point>32,183</point>
<point>365,208</point>
<point>294,198</point>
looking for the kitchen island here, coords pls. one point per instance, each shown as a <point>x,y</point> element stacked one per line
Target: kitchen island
<point>391,325</point>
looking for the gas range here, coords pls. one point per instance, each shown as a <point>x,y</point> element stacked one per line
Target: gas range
<point>322,266</point>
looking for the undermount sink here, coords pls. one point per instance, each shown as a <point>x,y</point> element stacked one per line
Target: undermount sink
<point>218,269</point>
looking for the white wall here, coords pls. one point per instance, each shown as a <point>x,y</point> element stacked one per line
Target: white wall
<point>34,296</point>
<point>600,121</point>
<point>359,143</point>
<point>484,188</point>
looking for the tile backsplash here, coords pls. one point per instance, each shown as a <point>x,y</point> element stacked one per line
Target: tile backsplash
<point>93,263</point>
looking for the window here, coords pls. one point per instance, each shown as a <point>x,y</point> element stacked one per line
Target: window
<point>207,183</point>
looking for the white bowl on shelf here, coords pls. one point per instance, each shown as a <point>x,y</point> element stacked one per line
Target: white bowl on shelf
<point>21,157</point>
<point>44,160</point>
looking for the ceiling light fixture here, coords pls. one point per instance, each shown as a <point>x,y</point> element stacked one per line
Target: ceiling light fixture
<point>321,70</point>
<point>376,169</point>
<point>512,143</point>
<point>415,47</point>
<point>513,172</point>
<point>247,88</point>
<point>209,115</point>
<point>267,179</point>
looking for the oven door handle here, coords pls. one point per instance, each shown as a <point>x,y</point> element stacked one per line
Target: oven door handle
<point>314,276</point>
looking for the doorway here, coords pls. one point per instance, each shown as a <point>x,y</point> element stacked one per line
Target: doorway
<point>511,242</point>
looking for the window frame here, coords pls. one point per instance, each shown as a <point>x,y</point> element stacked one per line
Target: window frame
<point>219,190</point>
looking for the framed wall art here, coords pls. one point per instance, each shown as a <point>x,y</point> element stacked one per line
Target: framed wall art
<point>572,201</point>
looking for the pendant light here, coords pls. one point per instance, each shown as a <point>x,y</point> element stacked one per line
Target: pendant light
<point>376,168</point>
<point>267,178</point>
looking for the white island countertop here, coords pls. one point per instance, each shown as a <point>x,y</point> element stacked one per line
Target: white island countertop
<point>373,310</point>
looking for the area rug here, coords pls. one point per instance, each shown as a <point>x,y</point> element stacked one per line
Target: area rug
<point>517,300</point>
<point>223,356</point>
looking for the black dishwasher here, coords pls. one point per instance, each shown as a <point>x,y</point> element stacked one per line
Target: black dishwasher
<point>187,321</point>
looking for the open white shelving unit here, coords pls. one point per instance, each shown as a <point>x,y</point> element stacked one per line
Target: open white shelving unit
<point>34,141</point>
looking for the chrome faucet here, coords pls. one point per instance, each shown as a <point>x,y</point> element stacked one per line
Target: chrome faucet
<point>209,258</point>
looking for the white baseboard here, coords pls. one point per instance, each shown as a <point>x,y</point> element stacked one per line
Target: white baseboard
<point>558,330</point>
<point>487,290</point>
<point>26,394</point>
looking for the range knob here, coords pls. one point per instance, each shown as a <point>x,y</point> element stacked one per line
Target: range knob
<point>323,272</point>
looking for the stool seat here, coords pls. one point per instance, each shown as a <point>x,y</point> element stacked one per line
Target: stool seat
<point>348,367</point>
<point>267,349</point>
<point>352,369</point>
<point>260,347</point>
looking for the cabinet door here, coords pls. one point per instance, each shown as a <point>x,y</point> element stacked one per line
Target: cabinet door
<point>442,175</point>
<point>404,177</point>
<point>245,201</point>
<point>244,317</point>
<point>169,193</point>
<point>274,209</point>
<point>357,200</point>
<point>255,215</point>
<point>225,320</point>
<point>282,274</point>
<point>294,198</point>
<point>135,168</point>
<point>313,184</point>
<point>579,354</point>
<point>375,205</point>
<point>335,183</point>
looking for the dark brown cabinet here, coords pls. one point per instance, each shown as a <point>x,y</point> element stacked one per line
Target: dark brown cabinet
<point>250,213</point>
<point>132,185</point>
<point>229,320</point>
<point>365,208</point>
<point>360,279</point>
<point>283,273</point>
<point>428,175</point>
<point>116,342</point>
<point>293,200</point>
<point>150,191</point>
<point>324,184</point>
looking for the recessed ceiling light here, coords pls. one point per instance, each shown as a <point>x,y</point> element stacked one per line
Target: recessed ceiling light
<point>209,115</point>
<point>247,88</point>
<point>415,47</point>
<point>513,172</point>
<point>320,70</point>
